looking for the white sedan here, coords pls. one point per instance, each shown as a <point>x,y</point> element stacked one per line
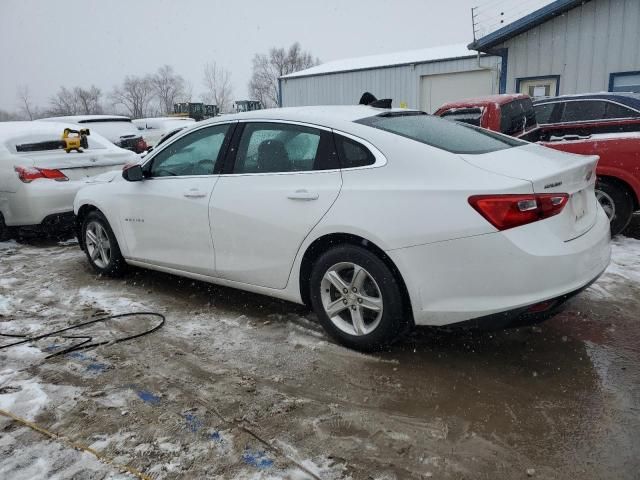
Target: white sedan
<point>39,180</point>
<point>378,219</point>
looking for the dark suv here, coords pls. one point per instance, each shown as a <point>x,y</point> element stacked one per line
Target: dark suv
<point>609,112</point>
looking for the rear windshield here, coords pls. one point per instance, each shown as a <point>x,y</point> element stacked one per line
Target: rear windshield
<point>517,116</point>
<point>472,116</point>
<point>453,137</point>
<point>40,142</point>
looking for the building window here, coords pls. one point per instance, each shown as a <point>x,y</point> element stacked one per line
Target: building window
<point>625,82</point>
<point>539,87</point>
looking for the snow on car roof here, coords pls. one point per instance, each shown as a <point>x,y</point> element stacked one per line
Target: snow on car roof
<point>86,118</point>
<point>407,57</point>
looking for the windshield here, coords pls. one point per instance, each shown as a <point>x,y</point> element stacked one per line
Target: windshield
<point>453,137</point>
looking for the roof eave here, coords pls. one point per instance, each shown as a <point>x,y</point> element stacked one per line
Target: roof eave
<point>540,16</point>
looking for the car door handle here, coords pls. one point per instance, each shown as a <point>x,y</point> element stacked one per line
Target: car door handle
<point>303,195</point>
<point>195,193</point>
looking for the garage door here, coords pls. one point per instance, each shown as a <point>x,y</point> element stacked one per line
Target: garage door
<point>438,89</point>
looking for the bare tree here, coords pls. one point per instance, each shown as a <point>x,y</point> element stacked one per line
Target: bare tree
<point>64,102</point>
<point>168,87</point>
<point>218,89</point>
<point>88,100</point>
<point>76,101</point>
<point>24,97</point>
<point>135,95</point>
<point>267,68</point>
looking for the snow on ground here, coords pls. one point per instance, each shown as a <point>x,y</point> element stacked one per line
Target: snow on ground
<point>147,393</point>
<point>624,268</point>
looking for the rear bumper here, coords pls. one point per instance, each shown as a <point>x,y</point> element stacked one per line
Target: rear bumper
<point>34,202</point>
<point>505,272</point>
<point>53,223</point>
<point>519,317</point>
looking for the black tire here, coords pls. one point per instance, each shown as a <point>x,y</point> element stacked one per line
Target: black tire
<point>392,322</point>
<point>610,191</point>
<point>6,233</point>
<point>115,265</point>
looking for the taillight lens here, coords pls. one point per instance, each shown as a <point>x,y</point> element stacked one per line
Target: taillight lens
<point>29,174</point>
<point>509,211</point>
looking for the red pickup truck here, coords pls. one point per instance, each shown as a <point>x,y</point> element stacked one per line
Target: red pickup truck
<point>618,187</point>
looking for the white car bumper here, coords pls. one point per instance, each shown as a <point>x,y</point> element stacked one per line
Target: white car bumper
<point>474,277</point>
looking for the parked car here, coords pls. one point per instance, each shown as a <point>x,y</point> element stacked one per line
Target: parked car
<point>117,129</point>
<point>604,112</point>
<point>38,180</point>
<point>380,219</point>
<point>618,186</point>
<point>153,129</point>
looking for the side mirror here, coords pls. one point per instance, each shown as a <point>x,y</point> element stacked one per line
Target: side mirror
<point>133,173</point>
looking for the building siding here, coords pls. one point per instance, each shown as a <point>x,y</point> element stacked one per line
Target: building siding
<point>584,46</point>
<point>400,83</point>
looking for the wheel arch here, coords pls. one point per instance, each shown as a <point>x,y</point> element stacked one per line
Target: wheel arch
<point>612,178</point>
<point>324,243</point>
<point>83,211</point>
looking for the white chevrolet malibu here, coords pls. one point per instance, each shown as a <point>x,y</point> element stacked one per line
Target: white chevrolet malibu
<point>378,219</point>
<point>39,179</point>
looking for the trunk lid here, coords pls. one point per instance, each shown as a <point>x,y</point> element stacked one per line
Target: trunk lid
<point>78,166</point>
<point>551,171</point>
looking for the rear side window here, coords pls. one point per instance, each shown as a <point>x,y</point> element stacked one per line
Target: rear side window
<point>453,137</point>
<point>583,110</point>
<point>281,147</point>
<point>472,116</point>
<point>353,154</point>
<point>517,116</point>
<point>544,111</point>
<point>618,111</point>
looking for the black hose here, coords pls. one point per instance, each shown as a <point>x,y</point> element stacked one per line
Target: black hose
<point>85,344</point>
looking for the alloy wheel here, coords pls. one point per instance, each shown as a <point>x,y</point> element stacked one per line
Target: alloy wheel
<point>98,244</point>
<point>607,203</point>
<point>351,298</point>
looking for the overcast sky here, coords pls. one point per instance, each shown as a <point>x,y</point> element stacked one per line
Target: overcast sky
<point>45,44</point>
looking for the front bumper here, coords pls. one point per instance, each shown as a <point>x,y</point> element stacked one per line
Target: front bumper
<point>505,272</point>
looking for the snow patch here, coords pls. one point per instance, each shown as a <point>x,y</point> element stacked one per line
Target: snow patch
<point>624,268</point>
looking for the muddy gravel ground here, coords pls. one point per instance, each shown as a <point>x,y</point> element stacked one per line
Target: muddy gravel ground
<point>238,386</point>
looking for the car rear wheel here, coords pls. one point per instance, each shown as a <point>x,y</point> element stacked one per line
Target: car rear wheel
<point>617,204</point>
<point>357,298</point>
<point>101,246</point>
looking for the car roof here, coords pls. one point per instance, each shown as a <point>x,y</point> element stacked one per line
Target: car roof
<point>87,118</point>
<point>327,115</point>
<point>501,99</point>
<point>629,99</point>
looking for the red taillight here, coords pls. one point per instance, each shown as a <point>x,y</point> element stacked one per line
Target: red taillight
<point>29,174</point>
<point>509,211</point>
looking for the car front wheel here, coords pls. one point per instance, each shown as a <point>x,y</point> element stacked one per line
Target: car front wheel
<point>357,298</point>
<point>101,246</point>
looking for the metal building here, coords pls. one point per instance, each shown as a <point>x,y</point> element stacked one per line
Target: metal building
<point>423,79</point>
<point>568,47</point>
